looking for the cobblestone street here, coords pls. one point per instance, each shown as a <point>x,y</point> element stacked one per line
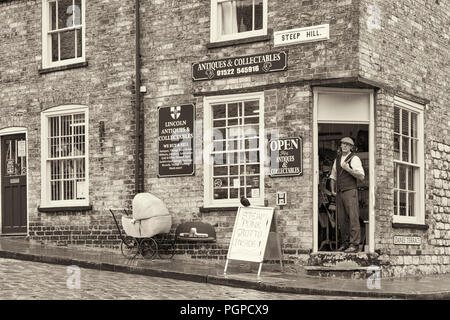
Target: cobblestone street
<point>32,280</point>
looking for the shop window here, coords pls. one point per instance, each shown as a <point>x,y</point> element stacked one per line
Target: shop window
<point>238,19</point>
<point>408,162</point>
<point>64,153</point>
<point>63,30</point>
<point>234,145</point>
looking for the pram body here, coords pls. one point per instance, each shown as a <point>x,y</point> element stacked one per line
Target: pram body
<point>148,229</point>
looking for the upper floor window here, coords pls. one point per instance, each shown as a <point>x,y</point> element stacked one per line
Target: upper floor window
<point>408,162</point>
<point>64,144</point>
<point>238,19</point>
<point>63,30</point>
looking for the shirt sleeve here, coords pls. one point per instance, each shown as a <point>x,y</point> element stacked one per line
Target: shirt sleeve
<point>357,165</point>
<point>333,171</point>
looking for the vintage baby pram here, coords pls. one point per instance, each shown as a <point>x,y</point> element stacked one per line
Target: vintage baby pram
<point>147,230</point>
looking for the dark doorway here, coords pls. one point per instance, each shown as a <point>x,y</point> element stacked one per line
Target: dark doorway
<point>14,184</point>
<point>328,146</point>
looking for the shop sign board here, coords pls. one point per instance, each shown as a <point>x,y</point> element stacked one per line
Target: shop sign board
<point>301,35</point>
<point>410,240</point>
<point>250,233</point>
<point>286,157</point>
<point>240,66</point>
<point>176,140</point>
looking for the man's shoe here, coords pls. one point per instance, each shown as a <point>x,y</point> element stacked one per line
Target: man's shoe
<point>342,248</point>
<point>352,249</point>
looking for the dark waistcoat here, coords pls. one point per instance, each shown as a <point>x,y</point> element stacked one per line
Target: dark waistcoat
<point>344,180</point>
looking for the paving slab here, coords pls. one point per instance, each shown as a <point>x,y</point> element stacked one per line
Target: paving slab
<point>423,287</point>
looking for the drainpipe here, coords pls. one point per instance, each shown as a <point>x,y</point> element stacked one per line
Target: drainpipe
<point>139,156</point>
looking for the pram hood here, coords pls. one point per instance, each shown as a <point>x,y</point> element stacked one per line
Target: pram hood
<point>146,205</point>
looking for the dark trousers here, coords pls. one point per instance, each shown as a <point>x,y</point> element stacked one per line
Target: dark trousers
<point>348,217</point>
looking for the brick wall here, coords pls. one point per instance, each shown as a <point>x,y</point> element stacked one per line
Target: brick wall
<point>175,36</point>
<point>404,46</point>
<point>106,86</point>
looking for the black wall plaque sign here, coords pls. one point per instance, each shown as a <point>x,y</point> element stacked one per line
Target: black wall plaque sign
<point>240,66</point>
<point>176,140</point>
<point>286,157</point>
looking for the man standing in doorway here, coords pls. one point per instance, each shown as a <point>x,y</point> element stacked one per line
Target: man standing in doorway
<point>347,169</point>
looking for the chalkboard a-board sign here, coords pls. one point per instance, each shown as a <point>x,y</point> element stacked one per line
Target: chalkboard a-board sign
<point>176,141</point>
<point>250,232</point>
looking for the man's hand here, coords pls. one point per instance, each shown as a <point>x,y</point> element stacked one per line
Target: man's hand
<point>346,167</point>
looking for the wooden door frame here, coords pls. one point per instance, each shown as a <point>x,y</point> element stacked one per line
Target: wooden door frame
<point>7,132</point>
<point>371,172</point>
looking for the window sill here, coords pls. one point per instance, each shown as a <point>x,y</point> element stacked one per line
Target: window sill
<point>213,45</point>
<point>66,209</point>
<point>214,209</point>
<point>397,225</point>
<point>63,68</point>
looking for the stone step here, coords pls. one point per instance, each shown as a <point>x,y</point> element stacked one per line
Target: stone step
<point>349,272</point>
<point>342,259</point>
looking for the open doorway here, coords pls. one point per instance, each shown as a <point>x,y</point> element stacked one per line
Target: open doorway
<point>329,135</point>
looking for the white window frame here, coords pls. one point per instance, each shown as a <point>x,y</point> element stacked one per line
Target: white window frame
<point>214,32</point>
<point>46,37</point>
<point>45,179</point>
<point>419,217</point>
<point>208,160</point>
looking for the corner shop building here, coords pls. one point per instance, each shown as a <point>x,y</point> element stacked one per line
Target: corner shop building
<point>379,76</point>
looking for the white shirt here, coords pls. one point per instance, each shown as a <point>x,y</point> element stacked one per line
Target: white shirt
<point>355,163</point>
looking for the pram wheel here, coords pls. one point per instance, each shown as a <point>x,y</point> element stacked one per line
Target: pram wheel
<point>148,248</point>
<point>129,247</point>
<point>166,246</point>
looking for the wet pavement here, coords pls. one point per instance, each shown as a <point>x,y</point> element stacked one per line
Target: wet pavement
<point>28,280</point>
<point>425,287</point>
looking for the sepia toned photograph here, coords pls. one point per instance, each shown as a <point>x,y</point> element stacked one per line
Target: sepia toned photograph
<point>226,156</point>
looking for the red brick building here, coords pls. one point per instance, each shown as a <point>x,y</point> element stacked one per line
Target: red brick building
<point>255,72</point>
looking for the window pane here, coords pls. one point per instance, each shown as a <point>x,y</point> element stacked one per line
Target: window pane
<point>251,108</point>
<point>405,122</point>
<point>67,43</point>
<point>220,171</point>
<point>55,46</point>
<point>52,15</point>
<point>219,111</point>
<point>234,170</point>
<point>395,202</point>
<point>258,15</point>
<point>413,151</point>
<point>396,147</point>
<point>219,158</point>
<point>233,110</point>
<point>65,14</point>
<point>402,203</point>
<point>397,120</point>
<point>405,149</point>
<point>251,143</point>
<point>411,212</point>
<point>402,177</point>
<point>395,175</point>
<point>414,125</point>
<point>77,13</point>
<point>252,169</point>
<point>245,15</point>
<point>411,178</point>
<point>79,43</point>
<point>220,194</point>
<point>234,193</point>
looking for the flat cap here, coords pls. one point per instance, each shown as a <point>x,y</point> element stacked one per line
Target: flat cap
<point>348,140</point>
